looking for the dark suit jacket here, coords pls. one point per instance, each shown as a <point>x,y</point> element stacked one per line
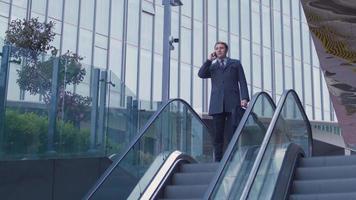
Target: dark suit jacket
<point>229,85</point>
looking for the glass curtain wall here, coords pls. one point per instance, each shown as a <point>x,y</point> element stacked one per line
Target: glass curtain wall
<point>270,37</point>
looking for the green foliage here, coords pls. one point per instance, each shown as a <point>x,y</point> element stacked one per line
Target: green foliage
<point>31,40</point>
<point>32,35</point>
<point>27,134</point>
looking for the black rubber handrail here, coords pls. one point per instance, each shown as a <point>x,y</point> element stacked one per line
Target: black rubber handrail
<point>137,139</point>
<point>228,153</point>
<point>268,137</point>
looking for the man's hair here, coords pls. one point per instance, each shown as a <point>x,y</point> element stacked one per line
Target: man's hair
<point>223,43</point>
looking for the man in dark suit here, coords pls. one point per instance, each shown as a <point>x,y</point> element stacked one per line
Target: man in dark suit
<point>229,94</point>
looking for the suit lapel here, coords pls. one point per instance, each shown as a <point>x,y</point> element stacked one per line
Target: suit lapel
<point>227,65</point>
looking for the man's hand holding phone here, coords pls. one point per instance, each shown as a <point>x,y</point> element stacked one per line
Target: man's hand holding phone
<point>212,56</point>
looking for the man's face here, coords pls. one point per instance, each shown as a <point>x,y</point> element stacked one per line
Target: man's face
<point>220,51</point>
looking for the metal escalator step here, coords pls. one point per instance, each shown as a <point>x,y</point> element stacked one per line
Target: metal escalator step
<point>199,167</point>
<point>202,178</point>
<point>181,199</point>
<point>327,161</point>
<point>186,191</point>
<point>324,186</point>
<point>332,172</point>
<point>327,196</point>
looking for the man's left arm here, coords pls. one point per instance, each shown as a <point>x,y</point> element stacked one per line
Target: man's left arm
<point>243,87</point>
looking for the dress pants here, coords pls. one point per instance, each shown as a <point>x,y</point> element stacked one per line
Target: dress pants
<point>223,131</point>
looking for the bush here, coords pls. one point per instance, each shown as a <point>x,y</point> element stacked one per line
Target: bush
<point>26,133</point>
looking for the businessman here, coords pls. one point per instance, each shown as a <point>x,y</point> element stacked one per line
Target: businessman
<point>229,94</point>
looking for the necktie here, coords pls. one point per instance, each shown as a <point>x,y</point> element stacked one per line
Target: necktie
<point>222,64</point>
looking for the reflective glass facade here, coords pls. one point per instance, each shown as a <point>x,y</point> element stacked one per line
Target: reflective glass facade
<point>270,37</point>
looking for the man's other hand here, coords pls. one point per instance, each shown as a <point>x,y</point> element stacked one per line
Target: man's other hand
<point>244,103</point>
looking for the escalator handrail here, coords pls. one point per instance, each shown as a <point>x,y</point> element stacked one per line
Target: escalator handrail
<point>137,139</point>
<point>268,136</point>
<point>234,140</point>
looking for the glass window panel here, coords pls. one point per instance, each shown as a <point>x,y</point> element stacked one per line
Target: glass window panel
<point>287,41</point>
<point>288,76</point>
<point>198,9</point>
<point>145,75</point>
<point>256,27</point>
<point>69,38</point>
<point>257,73</point>
<point>198,43</point>
<point>86,14</point>
<point>39,6</point>
<point>277,31</point>
<point>246,60</point>
<point>306,44</point>
<point>157,78</point>
<point>308,84</point>
<point>197,91</point>
<point>223,36</point>
<point>317,89</point>
<point>71,12</point>
<point>117,11</point>
<point>266,26</point>
<point>146,31</point>
<point>20,3</point>
<point>115,56</point>
<point>234,47</point>
<point>102,16</point>
<point>296,39</point>
<point>4,9</point>
<point>276,4</point>
<point>101,41</point>
<point>187,7</point>
<point>309,111</point>
<point>267,69</point>
<point>85,45</point>
<point>298,77</point>
<point>295,9</point>
<point>132,22</point>
<point>185,45</point>
<point>185,85</point>
<point>131,68</point>
<point>212,12</point>
<point>18,13</point>
<point>286,7</point>
<point>175,33</point>
<point>223,15</point>
<point>3,26</point>
<point>159,30</point>
<point>278,73</point>
<point>245,19</point>
<point>173,79</point>
<point>100,57</point>
<point>211,38</point>
<point>234,17</point>
<point>55,9</point>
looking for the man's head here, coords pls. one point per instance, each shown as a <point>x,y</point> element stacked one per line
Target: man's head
<point>221,49</point>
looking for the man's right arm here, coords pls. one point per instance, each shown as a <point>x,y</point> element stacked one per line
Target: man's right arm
<point>204,71</point>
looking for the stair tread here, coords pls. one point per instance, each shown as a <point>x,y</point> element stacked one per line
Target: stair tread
<point>324,186</point>
<point>197,178</point>
<point>324,196</point>
<point>327,161</point>
<point>199,167</point>
<point>185,191</point>
<point>325,172</point>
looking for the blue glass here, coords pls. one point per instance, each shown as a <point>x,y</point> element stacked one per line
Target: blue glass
<point>175,127</point>
<point>291,126</point>
<point>238,166</point>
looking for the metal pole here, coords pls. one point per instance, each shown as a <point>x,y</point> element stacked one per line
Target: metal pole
<point>94,108</point>
<point>53,106</point>
<point>166,50</point>
<point>102,102</point>
<point>4,76</point>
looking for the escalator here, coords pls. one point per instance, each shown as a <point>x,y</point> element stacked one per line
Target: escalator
<point>285,167</point>
<point>172,157</point>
